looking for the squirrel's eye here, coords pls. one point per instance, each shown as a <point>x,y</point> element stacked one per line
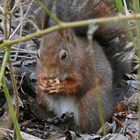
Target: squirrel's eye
<point>63,55</point>
<point>38,55</point>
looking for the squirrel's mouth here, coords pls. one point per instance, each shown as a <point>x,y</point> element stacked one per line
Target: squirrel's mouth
<point>53,85</point>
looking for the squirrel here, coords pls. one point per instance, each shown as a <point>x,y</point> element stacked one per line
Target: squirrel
<point>71,75</point>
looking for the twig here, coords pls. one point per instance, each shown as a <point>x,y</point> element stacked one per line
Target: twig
<point>21,29</point>
<point>18,27</point>
<point>125,6</point>
<point>69,25</point>
<point>6,7</point>
<point>5,59</point>
<point>127,130</point>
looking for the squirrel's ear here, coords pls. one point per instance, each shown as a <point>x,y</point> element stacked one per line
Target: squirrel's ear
<point>38,15</point>
<point>41,19</point>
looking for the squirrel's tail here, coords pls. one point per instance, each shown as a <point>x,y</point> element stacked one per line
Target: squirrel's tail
<point>112,36</point>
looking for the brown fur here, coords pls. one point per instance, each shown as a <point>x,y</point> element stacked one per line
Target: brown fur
<point>77,73</point>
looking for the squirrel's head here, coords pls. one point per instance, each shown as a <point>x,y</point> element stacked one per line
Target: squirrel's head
<point>63,58</point>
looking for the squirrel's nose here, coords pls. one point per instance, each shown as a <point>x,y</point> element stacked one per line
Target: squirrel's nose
<point>51,75</point>
<point>62,77</point>
<point>54,75</point>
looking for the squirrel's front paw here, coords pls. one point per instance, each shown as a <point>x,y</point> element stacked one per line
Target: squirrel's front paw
<point>55,88</point>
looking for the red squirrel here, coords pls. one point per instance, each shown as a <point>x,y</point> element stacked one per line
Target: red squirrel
<point>68,68</point>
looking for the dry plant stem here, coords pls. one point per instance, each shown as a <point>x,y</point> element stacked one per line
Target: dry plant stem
<point>21,28</point>
<point>64,25</point>
<point>18,27</point>
<point>120,7</point>
<point>91,30</point>
<point>99,103</point>
<point>5,60</point>
<point>127,130</point>
<point>6,6</point>
<point>11,109</point>
<point>24,17</point>
<point>14,89</point>
<point>15,6</point>
<point>6,55</point>
<point>125,6</point>
<point>16,96</point>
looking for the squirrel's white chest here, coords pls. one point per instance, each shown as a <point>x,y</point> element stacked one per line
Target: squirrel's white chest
<point>61,105</point>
